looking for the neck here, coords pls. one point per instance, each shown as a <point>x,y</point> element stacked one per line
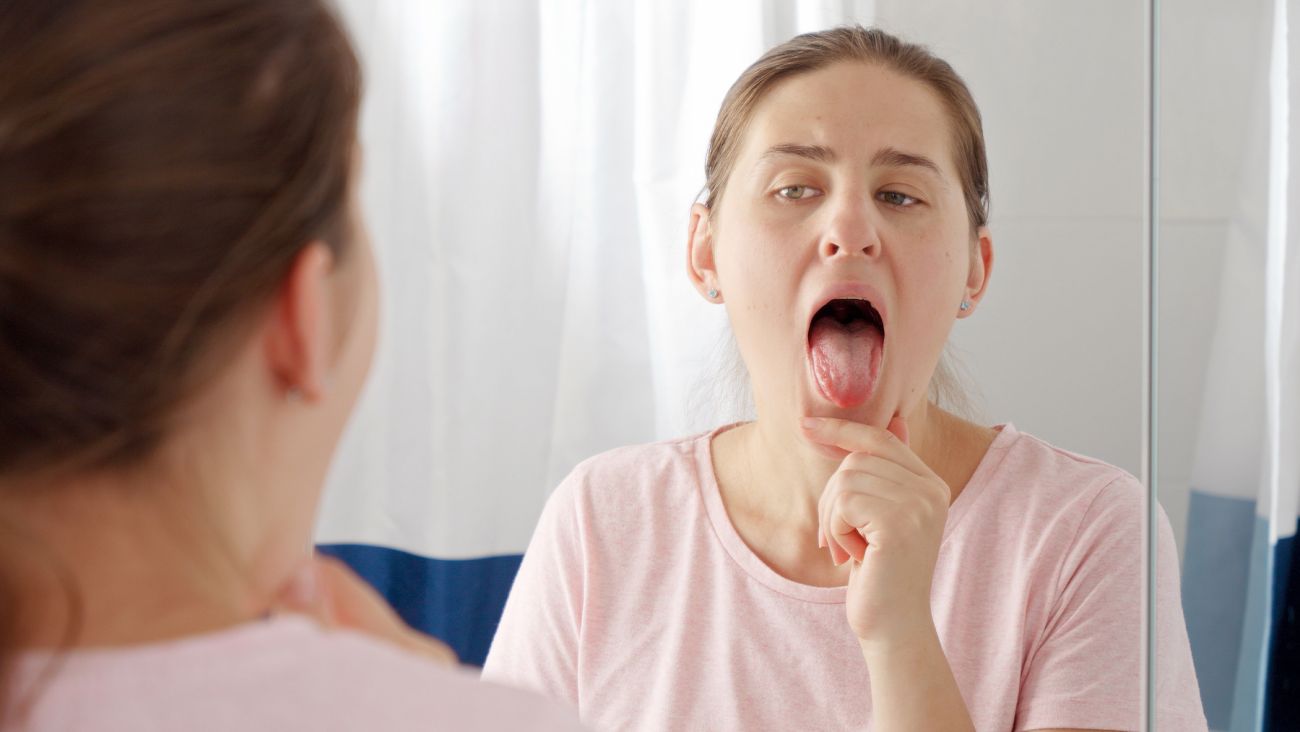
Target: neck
<point>790,477</point>
<point>107,561</point>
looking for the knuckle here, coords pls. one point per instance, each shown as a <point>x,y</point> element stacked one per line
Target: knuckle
<point>847,479</point>
<point>835,485</point>
<point>855,461</point>
<point>843,502</point>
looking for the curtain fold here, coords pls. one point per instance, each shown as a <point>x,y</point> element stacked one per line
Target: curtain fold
<point>1241,583</point>
<point>528,169</point>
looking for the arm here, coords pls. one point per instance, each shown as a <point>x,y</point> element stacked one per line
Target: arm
<point>884,511</point>
<point>912,686</point>
<point>536,643</point>
<point>1085,670</point>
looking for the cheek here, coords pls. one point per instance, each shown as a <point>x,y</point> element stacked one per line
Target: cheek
<point>756,265</point>
<point>937,264</point>
<point>767,243</point>
<point>931,277</point>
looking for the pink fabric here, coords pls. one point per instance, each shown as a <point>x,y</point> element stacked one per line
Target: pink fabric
<point>281,674</point>
<point>639,603</point>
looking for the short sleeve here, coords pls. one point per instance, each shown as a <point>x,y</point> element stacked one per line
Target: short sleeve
<point>536,643</point>
<point>1085,670</point>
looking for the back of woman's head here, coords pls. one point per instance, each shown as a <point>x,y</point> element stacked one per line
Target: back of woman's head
<point>162,162</point>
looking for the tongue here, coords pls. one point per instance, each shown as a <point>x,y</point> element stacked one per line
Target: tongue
<point>844,359</point>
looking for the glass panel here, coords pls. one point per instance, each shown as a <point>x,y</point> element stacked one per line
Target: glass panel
<point>1228,415</point>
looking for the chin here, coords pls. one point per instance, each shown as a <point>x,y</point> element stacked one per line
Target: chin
<point>876,410</point>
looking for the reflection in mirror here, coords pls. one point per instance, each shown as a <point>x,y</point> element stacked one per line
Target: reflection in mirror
<point>529,178</point>
<point>1229,323</point>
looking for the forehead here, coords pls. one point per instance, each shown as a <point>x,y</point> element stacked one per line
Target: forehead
<point>855,109</point>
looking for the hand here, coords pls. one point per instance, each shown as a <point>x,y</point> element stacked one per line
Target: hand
<point>885,510</point>
<point>326,590</point>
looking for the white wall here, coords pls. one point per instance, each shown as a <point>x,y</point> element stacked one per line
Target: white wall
<point>1210,64</point>
<point>1056,346</point>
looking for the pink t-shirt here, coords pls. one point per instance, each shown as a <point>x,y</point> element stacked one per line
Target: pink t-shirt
<point>639,603</point>
<point>281,674</point>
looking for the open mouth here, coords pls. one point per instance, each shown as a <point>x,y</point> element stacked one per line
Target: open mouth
<point>846,339</point>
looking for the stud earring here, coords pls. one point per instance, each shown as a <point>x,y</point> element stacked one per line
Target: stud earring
<point>713,294</point>
<point>965,305</point>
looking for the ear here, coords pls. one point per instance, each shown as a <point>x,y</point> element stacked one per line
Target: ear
<point>981,268</point>
<point>700,265</point>
<point>299,333</point>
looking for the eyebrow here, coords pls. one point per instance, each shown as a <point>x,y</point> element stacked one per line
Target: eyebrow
<point>894,158</point>
<point>889,157</point>
<point>812,152</point>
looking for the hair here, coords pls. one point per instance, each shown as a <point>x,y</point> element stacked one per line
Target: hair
<point>162,164</point>
<point>813,51</point>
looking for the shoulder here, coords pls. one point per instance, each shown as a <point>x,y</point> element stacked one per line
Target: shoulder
<point>1032,471</point>
<point>411,688</point>
<point>649,461</point>
<point>285,673</point>
<point>636,480</point>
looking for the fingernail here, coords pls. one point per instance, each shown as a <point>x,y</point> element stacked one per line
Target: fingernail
<point>821,540</point>
<point>305,586</point>
<point>811,423</point>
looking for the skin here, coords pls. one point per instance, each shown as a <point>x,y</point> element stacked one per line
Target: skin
<point>832,187</point>
<point>215,528</point>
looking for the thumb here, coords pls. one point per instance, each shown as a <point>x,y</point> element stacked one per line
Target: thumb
<point>898,426</point>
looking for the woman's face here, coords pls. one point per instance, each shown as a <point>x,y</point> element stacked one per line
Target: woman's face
<point>842,246</point>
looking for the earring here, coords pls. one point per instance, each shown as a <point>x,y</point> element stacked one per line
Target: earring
<point>965,305</point>
<point>713,294</point>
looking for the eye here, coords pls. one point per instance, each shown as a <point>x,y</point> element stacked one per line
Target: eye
<point>797,193</point>
<point>894,198</point>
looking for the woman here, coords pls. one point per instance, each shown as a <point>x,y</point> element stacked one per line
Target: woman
<point>187,314</point>
<point>989,581</point>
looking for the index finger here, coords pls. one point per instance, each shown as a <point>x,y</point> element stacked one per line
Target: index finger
<point>858,437</point>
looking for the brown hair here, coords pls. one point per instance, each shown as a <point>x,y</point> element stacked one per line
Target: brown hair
<point>812,51</point>
<point>161,165</point>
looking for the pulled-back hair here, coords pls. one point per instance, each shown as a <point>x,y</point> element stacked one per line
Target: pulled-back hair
<point>162,162</point>
<point>812,51</point>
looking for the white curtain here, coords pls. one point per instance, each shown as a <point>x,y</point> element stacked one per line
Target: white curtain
<point>528,173</point>
<point>1242,568</point>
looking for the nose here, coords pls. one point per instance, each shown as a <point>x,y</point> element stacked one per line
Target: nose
<point>851,231</point>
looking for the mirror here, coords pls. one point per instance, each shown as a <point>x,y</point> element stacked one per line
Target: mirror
<point>529,171</point>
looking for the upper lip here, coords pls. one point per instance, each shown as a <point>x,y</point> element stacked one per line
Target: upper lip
<point>850,291</point>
